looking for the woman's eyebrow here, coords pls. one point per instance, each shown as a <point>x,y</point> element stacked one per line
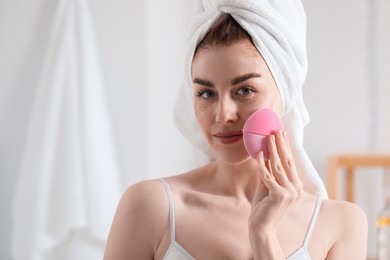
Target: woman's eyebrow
<point>234,81</point>
<point>203,82</point>
<point>244,77</point>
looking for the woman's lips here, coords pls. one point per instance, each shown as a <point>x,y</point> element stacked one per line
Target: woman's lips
<point>228,137</point>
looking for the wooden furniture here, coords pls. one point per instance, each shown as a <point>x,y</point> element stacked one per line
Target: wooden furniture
<point>350,162</point>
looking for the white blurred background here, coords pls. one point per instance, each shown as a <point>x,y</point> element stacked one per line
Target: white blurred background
<point>347,90</point>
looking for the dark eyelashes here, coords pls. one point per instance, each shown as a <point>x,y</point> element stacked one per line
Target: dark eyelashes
<point>246,89</point>
<point>200,93</point>
<point>204,91</point>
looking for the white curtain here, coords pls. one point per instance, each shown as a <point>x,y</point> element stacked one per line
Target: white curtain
<point>68,185</point>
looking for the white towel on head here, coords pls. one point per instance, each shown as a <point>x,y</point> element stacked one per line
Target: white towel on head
<point>278,30</point>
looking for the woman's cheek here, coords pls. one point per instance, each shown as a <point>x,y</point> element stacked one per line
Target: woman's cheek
<point>202,113</point>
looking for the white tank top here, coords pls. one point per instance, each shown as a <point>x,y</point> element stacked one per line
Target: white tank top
<point>177,252</point>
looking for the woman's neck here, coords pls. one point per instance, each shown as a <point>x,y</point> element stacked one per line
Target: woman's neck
<point>237,180</point>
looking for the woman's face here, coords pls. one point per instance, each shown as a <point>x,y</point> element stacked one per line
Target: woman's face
<point>230,83</point>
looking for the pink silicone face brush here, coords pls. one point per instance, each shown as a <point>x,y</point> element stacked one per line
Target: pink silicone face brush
<point>261,124</point>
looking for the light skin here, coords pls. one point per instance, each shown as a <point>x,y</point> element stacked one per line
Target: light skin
<point>235,207</point>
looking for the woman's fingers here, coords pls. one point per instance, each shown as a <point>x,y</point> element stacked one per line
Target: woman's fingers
<point>286,157</point>
<point>261,190</point>
<point>279,177</point>
<point>276,164</point>
<point>266,176</point>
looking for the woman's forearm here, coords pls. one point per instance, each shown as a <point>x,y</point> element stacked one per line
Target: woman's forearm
<point>265,245</point>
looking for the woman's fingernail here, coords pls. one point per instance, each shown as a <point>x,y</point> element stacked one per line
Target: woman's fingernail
<point>272,138</point>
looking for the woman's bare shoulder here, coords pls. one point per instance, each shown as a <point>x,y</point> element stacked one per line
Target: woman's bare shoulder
<point>149,198</point>
<point>145,198</point>
<point>348,230</point>
<point>139,223</point>
<point>343,214</point>
<point>342,210</point>
<point>148,194</point>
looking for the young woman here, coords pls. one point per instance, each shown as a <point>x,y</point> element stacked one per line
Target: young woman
<point>235,207</point>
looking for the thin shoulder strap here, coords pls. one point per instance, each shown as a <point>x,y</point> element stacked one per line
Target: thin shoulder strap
<point>171,209</point>
<point>313,222</point>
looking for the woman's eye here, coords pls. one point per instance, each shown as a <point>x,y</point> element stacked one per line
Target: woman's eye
<point>245,91</point>
<point>206,94</point>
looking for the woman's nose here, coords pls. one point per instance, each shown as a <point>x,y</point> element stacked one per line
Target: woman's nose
<point>226,111</point>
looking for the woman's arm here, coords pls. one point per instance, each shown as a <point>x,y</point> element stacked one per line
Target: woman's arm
<point>265,245</point>
<point>137,227</point>
<point>351,239</point>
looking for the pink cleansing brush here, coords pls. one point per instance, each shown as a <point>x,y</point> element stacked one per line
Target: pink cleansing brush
<point>261,124</point>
